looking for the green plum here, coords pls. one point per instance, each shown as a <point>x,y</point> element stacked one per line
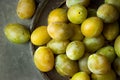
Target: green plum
<point>109,52</point>
<point>65,66</point>
<point>59,31</point>
<point>25,9</point>
<point>92,27</point>
<point>107,76</point>
<point>69,3</point>
<point>58,47</point>
<point>77,34</point>
<point>116,3</point>
<point>108,13</point>
<point>17,33</point>
<point>98,64</point>
<point>111,31</point>
<point>77,14</point>
<point>75,50</point>
<point>80,76</point>
<point>117,46</point>
<point>57,15</point>
<point>83,63</point>
<point>116,65</point>
<point>92,44</point>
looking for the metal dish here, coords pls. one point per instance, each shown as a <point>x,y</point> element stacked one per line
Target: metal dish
<point>40,18</point>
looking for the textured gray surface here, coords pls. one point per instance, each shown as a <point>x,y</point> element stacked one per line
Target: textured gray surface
<point>16,61</point>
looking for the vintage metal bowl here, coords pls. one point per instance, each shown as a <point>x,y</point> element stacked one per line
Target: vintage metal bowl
<point>40,18</point>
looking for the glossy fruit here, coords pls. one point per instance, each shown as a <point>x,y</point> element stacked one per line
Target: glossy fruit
<point>111,31</point>
<point>44,59</point>
<point>116,65</point>
<point>94,43</point>
<point>108,13</point>
<point>83,63</point>
<point>98,64</point>
<point>65,66</point>
<point>40,36</point>
<point>116,3</point>
<point>117,46</point>
<point>58,15</point>
<point>69,3</point>
<point>59,31</point>
<point>77,34</point>
<point>25,9</point>
<point>108,52</point>
<point>17,33</point>
<point>58,47</point>
<point>107,76</point>
<point>80,76</point>
<point>77,14</point>
<point>92,27</point>
<point>75,50</point>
